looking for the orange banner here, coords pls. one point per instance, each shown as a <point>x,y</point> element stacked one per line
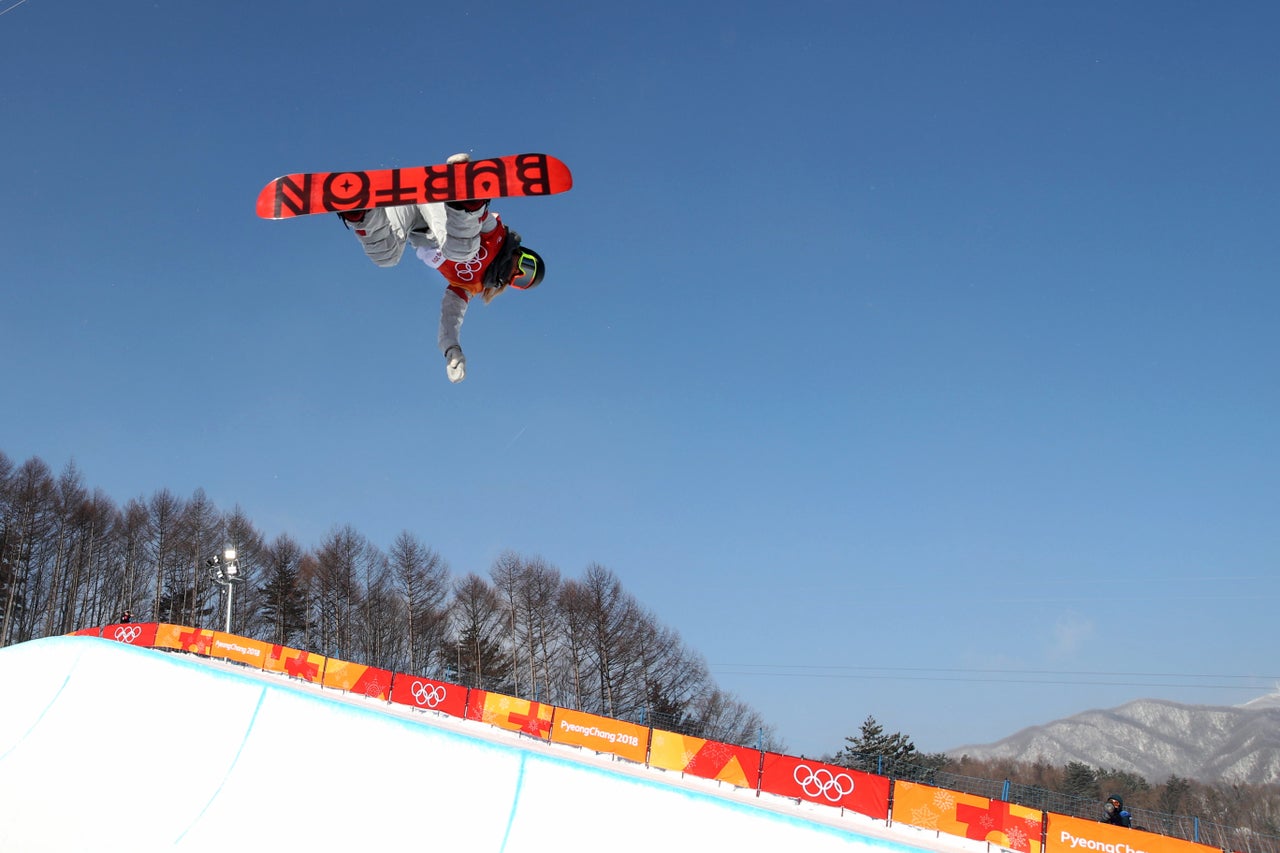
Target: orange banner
<point>968,816</point>
<point>1075,835</point>
<point>708,759</point>
<point>133,633</point>
<point>418,692</point>
<point>602,734</point>
<point>510,713</point>
<point>239,649</point>
<point>298,664</point>
<point>357,678</point>
<point>195,640</point>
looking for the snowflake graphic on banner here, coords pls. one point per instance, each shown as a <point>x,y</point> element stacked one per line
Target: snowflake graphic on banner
<point>924,818</point>
<point>1017,838</point>
<point>944,801</point>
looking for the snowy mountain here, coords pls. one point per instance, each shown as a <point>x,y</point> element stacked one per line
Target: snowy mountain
<point>1155,739</point>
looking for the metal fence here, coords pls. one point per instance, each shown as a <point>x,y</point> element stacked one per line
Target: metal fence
<point>1186,827</point>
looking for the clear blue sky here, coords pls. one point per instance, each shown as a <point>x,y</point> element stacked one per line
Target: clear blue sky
<point>891,352</point>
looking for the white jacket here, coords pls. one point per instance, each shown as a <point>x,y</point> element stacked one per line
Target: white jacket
<point>437,233</point>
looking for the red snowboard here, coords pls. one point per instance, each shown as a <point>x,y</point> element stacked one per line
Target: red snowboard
<point>495,177</point>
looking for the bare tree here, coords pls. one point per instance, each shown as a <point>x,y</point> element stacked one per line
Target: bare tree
<point>67,556</point>
<point>251,555</point>
<point>68,495</point>
<point>539,593</point>
<point>163,538</point>
<point>378,641</point>
<point>309,594</point>
<point>95,563</point>
<point>421,579</point>
<point>201,535</point>
<point>573,606</point>
<point>673,676</point>
<point>130,537</point>
<point>529,590</point>
<point>722,716</point>
<point>340,570</point>
<point>31,518</point>
<point>611,618</point>
<point>507,575</point>
<point>8,538</point>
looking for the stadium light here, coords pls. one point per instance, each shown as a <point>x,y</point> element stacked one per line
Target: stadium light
<point>225,568</point>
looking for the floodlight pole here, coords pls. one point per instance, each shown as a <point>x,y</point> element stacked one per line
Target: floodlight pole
<point>230,589</point>
<point>226,573</point>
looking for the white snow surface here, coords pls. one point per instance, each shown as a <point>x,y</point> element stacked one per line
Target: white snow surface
<point>104,746</point>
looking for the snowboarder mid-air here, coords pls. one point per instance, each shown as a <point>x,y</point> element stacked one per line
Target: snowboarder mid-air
<point>472,248</point>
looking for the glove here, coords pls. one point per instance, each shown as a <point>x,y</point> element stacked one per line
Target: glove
<point>455,364</point>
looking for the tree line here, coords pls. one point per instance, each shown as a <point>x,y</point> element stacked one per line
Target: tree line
<point>70,557</point>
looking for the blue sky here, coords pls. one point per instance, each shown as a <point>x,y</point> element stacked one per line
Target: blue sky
<point>899,355</point>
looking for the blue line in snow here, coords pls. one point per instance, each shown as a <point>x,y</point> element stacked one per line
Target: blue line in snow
<point>71,670</point>
<point>262,695</point>
<point>32,727</point>
<point>515,802</point>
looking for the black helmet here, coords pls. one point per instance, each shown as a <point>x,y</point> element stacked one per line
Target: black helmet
<point>514,265</point>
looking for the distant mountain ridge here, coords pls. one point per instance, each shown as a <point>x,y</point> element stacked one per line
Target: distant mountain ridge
<point>1155,739</point>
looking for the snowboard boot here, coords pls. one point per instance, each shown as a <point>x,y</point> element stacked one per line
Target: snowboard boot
<point>470,205</point>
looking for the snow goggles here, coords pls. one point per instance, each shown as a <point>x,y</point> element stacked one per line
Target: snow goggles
<point>528,270</point>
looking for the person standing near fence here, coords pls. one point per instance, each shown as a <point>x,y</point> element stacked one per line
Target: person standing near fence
<point>1116,812</point>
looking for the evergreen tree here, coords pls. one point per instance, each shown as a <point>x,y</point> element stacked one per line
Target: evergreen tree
<point>477,618</point>
<point>1175,792</point>
<point>284,605</point>
<point>874,751</point>
<point>1121,783</point>
<point>1080,780</point>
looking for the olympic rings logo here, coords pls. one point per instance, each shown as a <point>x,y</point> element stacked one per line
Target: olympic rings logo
<point>466,270</point>
<point>128,633</point>
<point>430,695</point>
<point>823,783</point>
